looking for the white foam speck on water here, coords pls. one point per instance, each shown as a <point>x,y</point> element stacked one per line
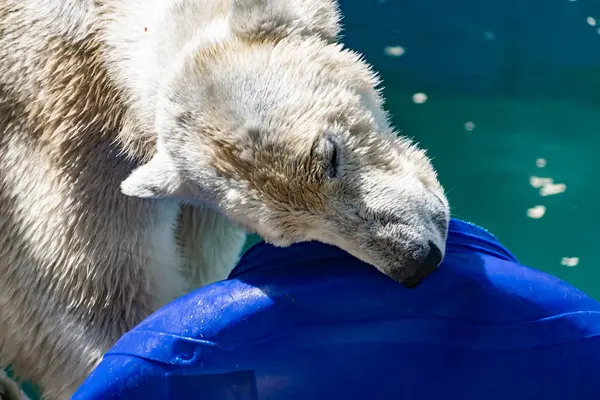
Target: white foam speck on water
<point>552,189</point>
<point>546,186</point>
<point>537,182</point>
<point>419,98</point>
<point>394,51</point>
<point>570,261</point>
<point>536,212</point>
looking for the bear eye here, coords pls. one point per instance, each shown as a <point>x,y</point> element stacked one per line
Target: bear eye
<point>331,157</point>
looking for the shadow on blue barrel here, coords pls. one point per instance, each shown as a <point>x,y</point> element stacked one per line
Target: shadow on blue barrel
<point>312,322</point>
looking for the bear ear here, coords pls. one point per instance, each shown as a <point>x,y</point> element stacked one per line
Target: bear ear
<point>257,20</point>
<point>331,153</point>
<point>328,154</point>
<point>158,179</point>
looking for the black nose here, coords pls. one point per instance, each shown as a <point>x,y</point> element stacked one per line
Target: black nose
<point>434,258</point>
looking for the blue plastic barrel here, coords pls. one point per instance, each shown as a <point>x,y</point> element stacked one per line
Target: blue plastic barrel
<point>312,322</point>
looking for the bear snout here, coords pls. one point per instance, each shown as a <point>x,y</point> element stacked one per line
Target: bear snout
<point>424,267</point>
<point>408,262</point>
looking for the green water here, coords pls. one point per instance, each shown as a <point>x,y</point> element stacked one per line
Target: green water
<point>489,151</point>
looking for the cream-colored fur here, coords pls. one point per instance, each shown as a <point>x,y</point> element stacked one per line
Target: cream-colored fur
<point>139,136</point>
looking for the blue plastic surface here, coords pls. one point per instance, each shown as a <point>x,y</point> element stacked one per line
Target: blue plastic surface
<point>312,322</point>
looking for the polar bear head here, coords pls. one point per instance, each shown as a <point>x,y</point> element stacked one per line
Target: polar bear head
<point>282,129</point>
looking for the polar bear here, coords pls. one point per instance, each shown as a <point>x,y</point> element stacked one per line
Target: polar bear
<point>142,139</point>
